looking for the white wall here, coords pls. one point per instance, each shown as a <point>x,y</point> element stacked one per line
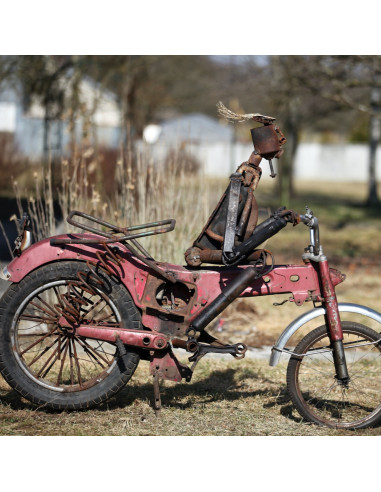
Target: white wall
<point>314,161</point>
<point>335,162</point>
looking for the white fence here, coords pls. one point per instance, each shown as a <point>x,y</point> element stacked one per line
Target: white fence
<point>314,161</point>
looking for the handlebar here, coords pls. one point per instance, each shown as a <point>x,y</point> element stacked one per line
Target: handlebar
<point>312,222</point>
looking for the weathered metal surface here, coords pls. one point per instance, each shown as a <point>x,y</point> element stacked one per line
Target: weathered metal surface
<point>267,141</point>
<point>112,238</point>
<point>24,240</point>
<point>330,302</point>
<point>166,366</point>
<point>234,219</point>
<point>245,214</point>
<point>230,223</point>
<point>300,281</point>
<point>136,338</point>
<point>232,212</point>
<point>196,256</point>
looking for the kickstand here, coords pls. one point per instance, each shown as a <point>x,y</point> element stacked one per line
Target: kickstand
<point>156,393</point>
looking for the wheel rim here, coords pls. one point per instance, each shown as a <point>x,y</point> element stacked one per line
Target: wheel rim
<point>50,354</point>
<point>324,397</point>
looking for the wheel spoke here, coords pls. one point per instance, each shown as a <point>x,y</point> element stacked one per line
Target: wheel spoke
<point>325,395</point>
<point>95,305</point>
<point>99,312</point>
<point>361,358</point>
<point>58,295</point>
<point>77,364</point>
<point>38,341</point>
<point>106,317</point>
<point>56,358</point>
<point>40,308</point>
<point>316,370</point>
<point>59,378</point>
<point>48,308</point>
<point>92,353</point>
<point>38,319</point>
<point>48,360</point>
<point>46,349</point>
<point>71,362</point>
<point>362,392</point>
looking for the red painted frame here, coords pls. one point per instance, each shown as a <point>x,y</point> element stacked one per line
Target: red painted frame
<point>302,282</point>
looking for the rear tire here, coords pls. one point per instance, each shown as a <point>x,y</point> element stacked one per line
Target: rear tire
<point>45,363</point>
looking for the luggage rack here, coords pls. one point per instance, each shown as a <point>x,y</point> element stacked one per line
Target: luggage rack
<point>117,234</point>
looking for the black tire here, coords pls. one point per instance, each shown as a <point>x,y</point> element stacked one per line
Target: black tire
<point>80,373</point>
<point>318,395</point>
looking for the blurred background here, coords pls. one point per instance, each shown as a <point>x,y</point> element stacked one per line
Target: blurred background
<point>137,138</point>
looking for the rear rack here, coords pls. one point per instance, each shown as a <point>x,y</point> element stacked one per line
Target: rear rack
<point>117,234</point>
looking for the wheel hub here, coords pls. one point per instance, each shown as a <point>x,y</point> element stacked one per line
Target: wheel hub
<point>66,326</point>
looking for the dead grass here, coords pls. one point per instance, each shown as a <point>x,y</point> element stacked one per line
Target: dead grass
<point>141,191</point>
<point>225,398</point>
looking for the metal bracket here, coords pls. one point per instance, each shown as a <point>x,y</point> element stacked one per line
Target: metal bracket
<point>156,394</point>
<point>237,350</point>
<point>232,213</point>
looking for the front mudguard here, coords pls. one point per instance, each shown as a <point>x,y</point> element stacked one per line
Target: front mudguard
<point>315,313</point>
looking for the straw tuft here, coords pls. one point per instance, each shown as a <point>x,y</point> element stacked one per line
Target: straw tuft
<point>232,117</point>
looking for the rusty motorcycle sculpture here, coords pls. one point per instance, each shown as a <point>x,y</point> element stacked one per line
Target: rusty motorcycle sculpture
<point>84,309</point>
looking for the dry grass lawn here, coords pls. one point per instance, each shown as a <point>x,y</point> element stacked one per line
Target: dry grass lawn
<point>225,398</point>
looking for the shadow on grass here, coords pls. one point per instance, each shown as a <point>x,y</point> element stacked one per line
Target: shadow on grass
<point>220,385</point>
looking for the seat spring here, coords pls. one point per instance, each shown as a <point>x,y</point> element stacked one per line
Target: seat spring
<point>72,302</point>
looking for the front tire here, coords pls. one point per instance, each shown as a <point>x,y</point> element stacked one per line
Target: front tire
<point>48,364</point>
<point>316,392</point>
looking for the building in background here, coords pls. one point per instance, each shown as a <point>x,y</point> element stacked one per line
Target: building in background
<point>212,143</point>
<point>26,131</point>
<point>34,135</point>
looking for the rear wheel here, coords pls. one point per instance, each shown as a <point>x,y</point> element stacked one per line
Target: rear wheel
<point>316,392</point>
<point>44,360</point>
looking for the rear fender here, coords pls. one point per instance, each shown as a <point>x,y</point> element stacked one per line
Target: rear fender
<point>43,253</point>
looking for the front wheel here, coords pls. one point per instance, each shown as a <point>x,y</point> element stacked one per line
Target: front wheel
<point>316,392</point>
<point>49,364</point>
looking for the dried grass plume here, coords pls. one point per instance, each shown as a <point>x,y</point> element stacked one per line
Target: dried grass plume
<point>232,117</point>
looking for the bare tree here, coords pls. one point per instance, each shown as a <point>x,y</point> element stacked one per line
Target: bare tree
<point>296,107</point>
<point>353,82</point>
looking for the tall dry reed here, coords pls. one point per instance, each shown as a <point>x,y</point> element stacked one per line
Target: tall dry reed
<point>144,191</point>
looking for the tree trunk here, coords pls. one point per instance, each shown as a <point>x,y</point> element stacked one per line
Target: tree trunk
<point>286,164</point>
<point>374,138</point>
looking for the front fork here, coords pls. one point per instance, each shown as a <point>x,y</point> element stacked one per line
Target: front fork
<point>334,323</point>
